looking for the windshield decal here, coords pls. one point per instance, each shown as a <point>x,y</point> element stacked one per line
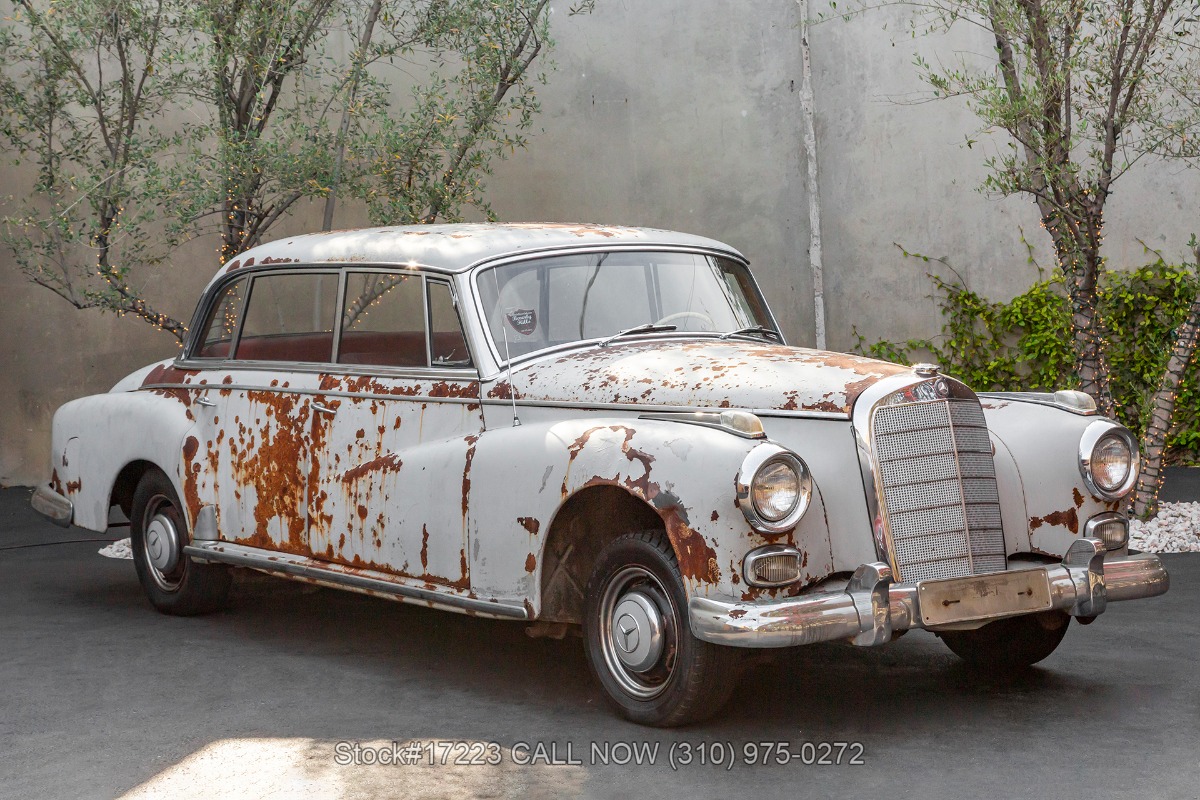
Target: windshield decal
<point>522,320</point>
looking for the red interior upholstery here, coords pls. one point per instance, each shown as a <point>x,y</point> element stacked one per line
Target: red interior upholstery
<point>286,347</point>
<point>388,349</point>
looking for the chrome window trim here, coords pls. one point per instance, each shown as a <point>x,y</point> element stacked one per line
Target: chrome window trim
<point>1091,437</point>
<point>342,271</point>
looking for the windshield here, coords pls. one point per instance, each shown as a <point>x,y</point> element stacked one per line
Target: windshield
<point>532,305</point>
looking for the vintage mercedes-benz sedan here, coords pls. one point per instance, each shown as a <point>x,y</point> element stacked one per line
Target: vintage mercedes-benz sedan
<point>596,429</point>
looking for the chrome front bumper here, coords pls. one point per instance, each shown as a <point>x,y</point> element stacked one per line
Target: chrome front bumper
<point>871,607</point>
<point>53,506</point>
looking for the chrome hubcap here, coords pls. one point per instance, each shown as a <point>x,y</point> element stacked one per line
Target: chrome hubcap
<point>639,632</point>
<point>162,543</point>
<point>164,552</point>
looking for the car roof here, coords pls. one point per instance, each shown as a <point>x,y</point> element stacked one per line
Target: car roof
<point>458,247</point>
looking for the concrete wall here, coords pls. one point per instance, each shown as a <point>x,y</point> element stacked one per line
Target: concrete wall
<point>684,114</point>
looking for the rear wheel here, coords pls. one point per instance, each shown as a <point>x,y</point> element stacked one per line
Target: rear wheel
<point>639,645</point>
<point>1009,644</point>
<point>174,582</point>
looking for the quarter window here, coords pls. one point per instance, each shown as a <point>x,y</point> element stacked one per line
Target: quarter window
<point>290,317</point>
<point>447,345</point>
<point>222,323</point>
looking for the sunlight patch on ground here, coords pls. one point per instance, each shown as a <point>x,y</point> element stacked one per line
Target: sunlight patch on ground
<point>238,769</point>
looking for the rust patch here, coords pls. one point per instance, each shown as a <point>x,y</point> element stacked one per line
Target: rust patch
<point>276,260</point>
<point>74,486</point>
<point>466,481</point>
<point>530,524</point>
<point>530,563</point>
<point>697,560</point>
<point>424,548</point>
<point>714,516</point>
<point>365,384</point>
<point>1068,519</point>
<point>503,390</point>
<point>1078,496</point>
<point>737,613</point>
<point>362,512</point>
<point>383,465</point>
<point>191,472</point>
<point>444,389</point>
<point>56,482</point>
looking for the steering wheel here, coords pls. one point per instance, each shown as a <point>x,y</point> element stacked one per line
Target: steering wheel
<point>684,314</point>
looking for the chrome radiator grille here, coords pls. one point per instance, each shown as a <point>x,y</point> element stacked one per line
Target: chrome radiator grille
<point>939,489</point>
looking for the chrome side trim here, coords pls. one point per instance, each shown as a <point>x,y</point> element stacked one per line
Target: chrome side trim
<point>1052,399</point>
<point>366,581</point>
<point>870,608</point>
<point>53,506</point>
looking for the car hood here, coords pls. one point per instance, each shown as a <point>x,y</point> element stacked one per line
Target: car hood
<point>699,374</point>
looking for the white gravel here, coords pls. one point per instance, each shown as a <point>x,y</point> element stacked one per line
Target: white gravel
<point>1175,529</point>
<point>118,549</point>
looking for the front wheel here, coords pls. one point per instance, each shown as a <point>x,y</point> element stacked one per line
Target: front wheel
<point>174,582</point>
<point>1009,644</point>
<point>639,646</point>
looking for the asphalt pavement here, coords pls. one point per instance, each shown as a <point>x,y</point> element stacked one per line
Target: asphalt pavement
<point>103,697</point>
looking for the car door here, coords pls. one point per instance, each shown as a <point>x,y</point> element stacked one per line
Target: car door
<point>260,419</point>
<point>392,472</point>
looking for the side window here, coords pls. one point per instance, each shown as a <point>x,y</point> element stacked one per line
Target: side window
<point>221,325</point>
<point>290,317</point>
<point>383,320</point>
<point>447,345</point>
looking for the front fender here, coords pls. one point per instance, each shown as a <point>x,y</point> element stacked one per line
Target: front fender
<point>522,477</point>
<point>1044,499</point>
<point>95,437</point>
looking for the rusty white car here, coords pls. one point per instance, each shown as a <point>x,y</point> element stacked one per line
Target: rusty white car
<point>602,430</point>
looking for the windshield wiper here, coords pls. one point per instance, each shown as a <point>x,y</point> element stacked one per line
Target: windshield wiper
<point>649,327</point>
<point>759,329</point>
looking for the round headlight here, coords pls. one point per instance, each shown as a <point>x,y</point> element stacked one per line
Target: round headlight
<point>775,490</point>
<point>1108,459</point>
<point>1111,462</point>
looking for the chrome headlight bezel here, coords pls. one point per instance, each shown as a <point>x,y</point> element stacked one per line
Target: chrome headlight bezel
<point>1093,436</point>
<point>761,457</point>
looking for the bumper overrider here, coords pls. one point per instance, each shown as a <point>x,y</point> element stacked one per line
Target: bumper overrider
<point>872,607</point>
<point>53,506</point>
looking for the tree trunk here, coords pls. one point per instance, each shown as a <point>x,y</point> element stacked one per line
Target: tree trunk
<point>1154,441</point>
<point>1090,363</point>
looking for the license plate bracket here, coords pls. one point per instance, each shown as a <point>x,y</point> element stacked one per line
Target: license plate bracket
<point>979,597</point>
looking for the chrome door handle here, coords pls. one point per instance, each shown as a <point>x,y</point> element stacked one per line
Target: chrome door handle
<point>204,401</point>
<point>324,409</point>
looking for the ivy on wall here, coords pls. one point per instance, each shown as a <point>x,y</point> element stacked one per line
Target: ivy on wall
<point>1026,344</point>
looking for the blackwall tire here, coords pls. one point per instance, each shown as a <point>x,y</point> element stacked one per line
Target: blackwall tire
<point>639,645</point>
<point>1009,644</point>
<point>174,583</point>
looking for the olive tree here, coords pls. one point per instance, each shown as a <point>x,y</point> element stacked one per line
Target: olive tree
<point>1078,92</point>
<point>152,122</point>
